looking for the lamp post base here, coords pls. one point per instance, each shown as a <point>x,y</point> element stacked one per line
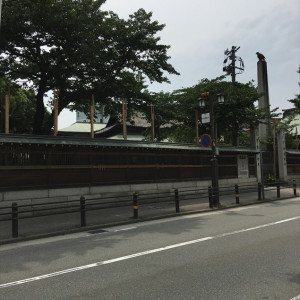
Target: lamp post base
<point>215,182</point>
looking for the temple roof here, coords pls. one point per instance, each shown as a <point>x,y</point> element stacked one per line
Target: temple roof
<point>83,127</point>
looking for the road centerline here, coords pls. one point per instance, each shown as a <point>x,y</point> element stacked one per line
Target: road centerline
<point>143,253</point>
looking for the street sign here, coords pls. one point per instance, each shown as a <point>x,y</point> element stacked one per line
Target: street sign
<point>205,140</point>
<point>205,118</point>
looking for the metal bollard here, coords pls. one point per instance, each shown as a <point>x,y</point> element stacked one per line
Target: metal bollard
<point>237,194</point>
<point>135,206</point>
<point>210,197</point>
<point>216,201</point>
<point>82,212</point>
<point>278,190</point>
<point>177,201</point>
<point>259,190</point>
<point>15,219</point>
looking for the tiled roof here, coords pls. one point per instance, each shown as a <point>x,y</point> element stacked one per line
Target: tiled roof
<point>32,140</point>
<point>82,127</point>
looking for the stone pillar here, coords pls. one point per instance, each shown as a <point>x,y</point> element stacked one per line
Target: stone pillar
<point>282,164</point>
<point>263,102</point>
<point>253,137</point>
<point>258,158</point>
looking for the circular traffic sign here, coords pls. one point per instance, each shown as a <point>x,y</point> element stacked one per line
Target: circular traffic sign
<point>205,140</point>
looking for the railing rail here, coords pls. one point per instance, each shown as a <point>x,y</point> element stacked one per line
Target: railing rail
<point>175,197</point>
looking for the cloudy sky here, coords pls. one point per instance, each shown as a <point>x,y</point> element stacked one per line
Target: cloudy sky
<point>199,31</point>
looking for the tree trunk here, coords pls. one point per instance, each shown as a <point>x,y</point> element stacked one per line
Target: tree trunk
<point>49,124</point>
<point>235,139</point>
<point>235,134</point>
<point>39,115</point>
<point>62,103</point>
<point>40,108</point>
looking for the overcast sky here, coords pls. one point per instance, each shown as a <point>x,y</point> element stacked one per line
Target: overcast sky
<point>199,31</point>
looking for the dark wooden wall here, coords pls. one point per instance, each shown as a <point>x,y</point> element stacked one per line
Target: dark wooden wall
<point>31,165</point>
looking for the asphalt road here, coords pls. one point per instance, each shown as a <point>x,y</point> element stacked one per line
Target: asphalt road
<point>250,252</point>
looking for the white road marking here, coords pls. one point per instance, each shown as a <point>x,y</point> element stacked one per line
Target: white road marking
<point>124,229</point>
<point>114,260</point>
<point>256,227</point>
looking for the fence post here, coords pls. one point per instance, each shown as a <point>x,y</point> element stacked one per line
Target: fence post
<point>237,194</point>
<point>278,190</point>
<point>210,197</point>
<point>177,201</point>
<point>135,206</point>
<point>15,219</point>
<point>82,211</point>
<point>259,190</point>
<point>294,187</point>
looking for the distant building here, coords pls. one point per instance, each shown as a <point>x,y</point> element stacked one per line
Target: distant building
<point>295,121</point>
<point>105,128</point>
<point>135,127</point>
<point>82,126</point>
<point>99,118</point>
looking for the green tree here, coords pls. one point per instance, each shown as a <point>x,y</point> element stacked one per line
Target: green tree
<point>22,108</point>
<point>288,126</point>
<point>296,101</point>
<point>75,47</point>
<point>164,115</point>
<point>232,117</point>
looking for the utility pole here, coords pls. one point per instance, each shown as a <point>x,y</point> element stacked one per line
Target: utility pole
<point>229,64</point>
<point>233,50</point>
<point>55,112</point>
<point>92,116</point>
<point>233,65</point>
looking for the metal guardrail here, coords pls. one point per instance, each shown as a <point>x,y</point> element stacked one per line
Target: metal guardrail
<point>16,212</point>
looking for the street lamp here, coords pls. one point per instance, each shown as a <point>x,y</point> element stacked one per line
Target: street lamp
<point>214,160</point>
<point>220,98</point>
<point>201,102</point>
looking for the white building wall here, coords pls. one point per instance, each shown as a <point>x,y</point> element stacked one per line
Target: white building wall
<point>99,117</point>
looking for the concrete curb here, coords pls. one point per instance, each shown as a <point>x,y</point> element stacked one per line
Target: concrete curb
<point>133,221</point>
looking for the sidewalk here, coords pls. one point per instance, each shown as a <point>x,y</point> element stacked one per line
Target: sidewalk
<point>38,227</point>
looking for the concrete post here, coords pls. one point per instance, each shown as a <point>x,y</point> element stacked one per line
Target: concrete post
<point>263,102</point>
<point>258,157</point>
<point>282,164</point>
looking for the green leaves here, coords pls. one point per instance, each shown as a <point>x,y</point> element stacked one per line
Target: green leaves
<point>22,108</point>
<point>296,100</point>
<point>232,117</point>
<point>79,49</point>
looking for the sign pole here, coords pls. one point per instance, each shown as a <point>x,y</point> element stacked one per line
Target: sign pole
<point>196,125</point>
<point>214,160</point>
